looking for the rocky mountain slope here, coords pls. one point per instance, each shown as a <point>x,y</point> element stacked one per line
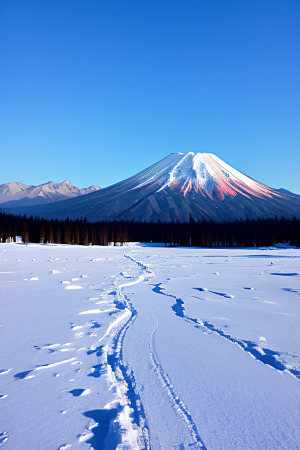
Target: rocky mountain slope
<point>201,186</point>
<point>19,194</point>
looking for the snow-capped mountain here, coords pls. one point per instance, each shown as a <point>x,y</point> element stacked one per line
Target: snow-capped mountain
<point>200,186</point>
<point>19,194</point>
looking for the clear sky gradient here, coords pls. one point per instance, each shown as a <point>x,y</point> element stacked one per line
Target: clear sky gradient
<point>94,91</point>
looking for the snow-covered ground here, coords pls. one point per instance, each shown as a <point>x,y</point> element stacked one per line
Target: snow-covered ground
<point>141,347</point>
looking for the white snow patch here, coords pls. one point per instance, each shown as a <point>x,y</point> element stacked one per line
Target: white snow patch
<point>73,286</point>
<point>9,272</point>
<point>93,311</point>
<point>85,436</point>
<point>49,366</point>
<point>85,392</point>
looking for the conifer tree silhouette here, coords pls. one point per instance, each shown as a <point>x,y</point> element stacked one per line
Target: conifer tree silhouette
<point>25,234</point>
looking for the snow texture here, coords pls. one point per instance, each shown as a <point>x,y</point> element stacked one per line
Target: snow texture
<point>160,348</point>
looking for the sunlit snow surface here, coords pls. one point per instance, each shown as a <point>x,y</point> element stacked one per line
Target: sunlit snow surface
<point>144,347</point>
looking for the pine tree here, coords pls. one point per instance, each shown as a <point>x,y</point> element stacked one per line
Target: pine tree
<point>58,235</point>
<point>85,232</point>
<point>51,234</point>
<point>67,234</point>
<point>42,235</point>
<point>25,236</point>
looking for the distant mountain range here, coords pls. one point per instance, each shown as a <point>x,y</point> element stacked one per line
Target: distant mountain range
<point>19,194</point>
<point>179,187</point>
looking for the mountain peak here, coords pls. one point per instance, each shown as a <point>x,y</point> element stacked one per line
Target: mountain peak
<point>206,175</point>
<point>180,186</point>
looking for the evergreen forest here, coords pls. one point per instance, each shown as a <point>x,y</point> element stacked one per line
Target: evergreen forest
<point>263,232</point>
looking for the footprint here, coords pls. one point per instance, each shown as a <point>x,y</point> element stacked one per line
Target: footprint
<point>64,446</point>
<point>3,437</point>
<point>79,392</point>
<point>3,395</point>
<point>97,350</point>
<point>3,371</point>
<point>76,327</point>
<point>90,333</point>
<point>96,371</point>
<point>95,324</point>
<point>22,375</point>
<point>50,347</point>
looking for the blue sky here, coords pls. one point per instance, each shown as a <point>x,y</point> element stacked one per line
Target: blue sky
<point>94,91</point>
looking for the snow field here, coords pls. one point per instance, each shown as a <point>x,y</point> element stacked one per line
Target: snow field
<point>142,347</point>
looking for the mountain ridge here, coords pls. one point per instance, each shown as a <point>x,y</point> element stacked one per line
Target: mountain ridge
<point>179,187</point>
<point>18,194</point>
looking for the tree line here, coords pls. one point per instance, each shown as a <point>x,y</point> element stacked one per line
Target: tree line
<point>250,233</point>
